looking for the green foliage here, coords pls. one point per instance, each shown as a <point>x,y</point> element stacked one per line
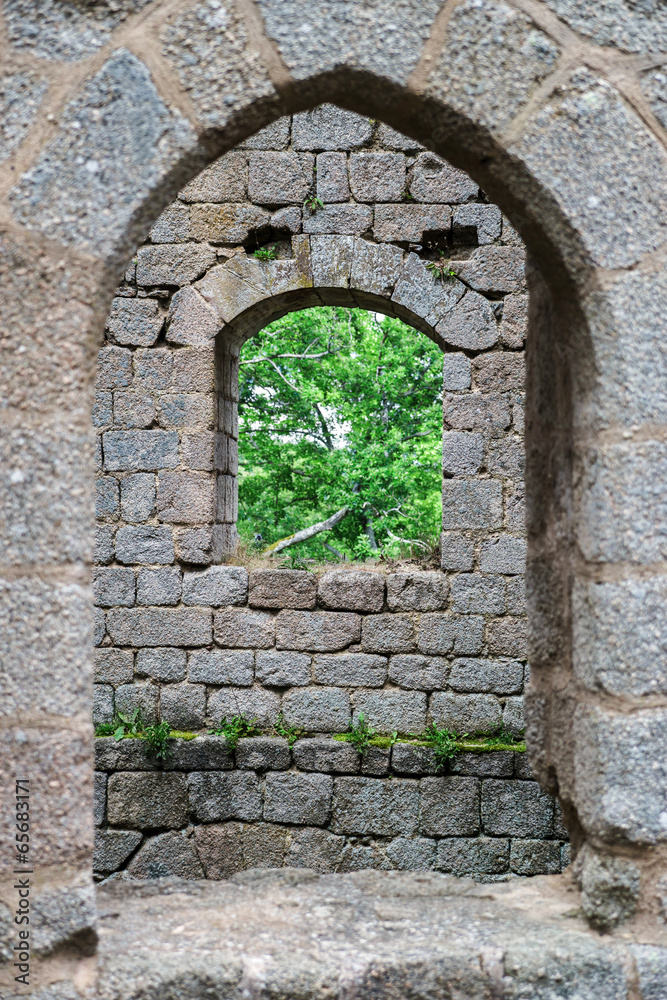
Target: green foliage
<point>441,269</point>
<point>339,408</point>
<point>503,740</point>
<point>407,195</point>
<point>290,733</point>
<point>105,729</point>
<point>157,737</point>
<point>443,741</point>
<point>234,728</point>
<point>360,734</point>
<point>128,725</point>
<point>266,253</point>
<point>313,203</point>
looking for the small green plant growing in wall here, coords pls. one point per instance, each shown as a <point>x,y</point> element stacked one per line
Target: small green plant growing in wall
<point>234,728</point>
<point>123,725</point>
<point>443,742</point>
<point>266,253</point>
<point>313,203</point>
<point>157,737</point>
<point>289,733</point>
<point>441,269</point>
<point>360,734</point>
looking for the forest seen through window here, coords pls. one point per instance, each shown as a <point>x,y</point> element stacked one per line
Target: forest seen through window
<point>340,415</point>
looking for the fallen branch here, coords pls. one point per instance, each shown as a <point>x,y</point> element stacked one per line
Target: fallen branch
<point>410,541</point>
<point>303,536</point>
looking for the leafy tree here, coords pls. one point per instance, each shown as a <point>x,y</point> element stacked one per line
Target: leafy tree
<point>341,408</point>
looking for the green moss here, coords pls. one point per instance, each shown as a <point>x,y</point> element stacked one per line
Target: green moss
<point>176,734</point>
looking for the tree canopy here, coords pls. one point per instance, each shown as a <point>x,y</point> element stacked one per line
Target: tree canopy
<point>341,408</point>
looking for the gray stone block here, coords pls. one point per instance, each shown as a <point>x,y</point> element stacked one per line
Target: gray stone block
<point>316,849</point>
<point>503,555</point>
<point>508,637</point>
<point>183,706</point>
<point>413,854</point>
<point>99,626</point>
<point>147,801</point>
<point>473,855</point>
<point>409,223</point>
<point>339,220</point>
<point>186,409</point>
<point>173,264</point>
<point>103,704</point>
<point>218,585</point>
<point>167,855</point>
<point>113,848</point>
<point>414,761</point>
<point>137,496</point>
<point>375,762</point>
<point>135,322</point>
<point>433,179</point>
<point>456,552</point>
<point>159,586</point>
<point>274,136</point>
<point>515,590</point>
<point>205,753</point>
<point>230,223</point>
<point>143,695</point>
<point>471,324</point>
<point>351,590</point>
<point>471,504</point>
<point>219,849</point>
<point>389,138</point>
<point>264,845</point>
<point>514,322</point>
<point>486,220</point>
<point>392,633</point>
<point>609,889</point>
<point>140,450</point>
<point>102,412</point>
<point>392,711</point>
<point>160,626</point>
<point>496,676</point>
<point>486,411</point>
<point>225,179</point>
<point>523,769</point>
<point>332,180</point>
<point>377,176</point>
<point>318,631</point>
<point>466,713</point>
<point>255,703</point>
<point>287,220</point>
<point>500,370</point>
<point>100,798</point>
<point>516,809</point>
<point>457,372</point>
<point>173,226</point>
<point>652,970</point>
<point>215,796</point>
<point>322,754</point>
<point>513,716</point>
<point>419,292</point>
<point>425,591</point>
<point>217,666</point>
<point>279,588</point>
<point>113,585</point>
<point>242,627</point>
<point>350,670</point>
<point>113,666</point>
<point>114,368</point>
<point>280,178</point>
<point>161,664</point>
<point>441,634</point>
<point>144,544</point>
<point>128,754</point>
<point>298,798</point>
<point>196,545</point>
<point>153,369</point>
<point>358,858</point>
<point>476,593</point>
<point>190,319</point>
<point>494,270</point>
<point>318,710</point>
<point>372,806</point>
<point>535,857</point>
<point>620,782</point>
<point>462,453</point>
<point>263,753</point>
<point>421,673</point>
<point>186,498</point>
<point>133,409</point>
<point>484,765</point>
<point>449,806</point>
<point>282,669</point>
<point>330,127</point>
<point>106,498</point>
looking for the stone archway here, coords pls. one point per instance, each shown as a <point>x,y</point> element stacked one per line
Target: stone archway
<point>565,136</point>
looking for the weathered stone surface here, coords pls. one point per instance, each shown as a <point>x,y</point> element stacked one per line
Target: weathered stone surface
<point>280,178</point>
<point>485,220</point>
<point>160,626</point>
<point>242,627</point>
<point>471,324</point>
<point>161,664</point>
<point>225,180</point>
<point>423,673</point>
<point>340,220</point>
<point>332,179</point>
<point>320,631</point>
<point>369,805</point>
<point>322,754</point>
<point>282,669</point>
<point>350,590</point>
<point>408,223</point>
<point>136,322</point>
<point>137,496</point>
<point>103,704</point>
<point>609,889</point>
<point>315,849</point>
<point>280,588</point>
<point>462,454</point>
<point>159,586</point>
<point>411,854</point>
<point>128,754</point>
<point>503,555</point>
<point>441,634</point>
<point>457,370</point>
<point>217,796</point>
<point>228,223</point>
<point>433,179</point>
<point>219,585</point>
<point>329,127</point>
<point>516,809</point>
<point>392,711</point>
<point>456,551</point>
<point>21,96</point>
<point>113,848</point>
<point>414,761</point>
<point>478,593</point>
<point>144,696</point>
<point>473,713</point>
<point>535,857</point>
<point>298,798</point>
<point>117,127</point>
<point>651,969</point>
<point>350,670</point>
<point>388,634</point>
<point>264,845</point>
<point>498,676</point>
<point>318,710</point>
<point>186,498</point>
<point>216,666</point>
<point>424,591</point>
<point>477,411</point>
<point>145,450</point>
<point>113,666</point>
<point>449,806</point>
<point>485,765</point>
<point>377,176</point>
<point>168,854</point>
<point>219,849</point>
<point>471,504</point>
<point>419,291</point>
<point>190,320</point>
<point>635,27</point>
<point>263,753</point>
<point>482,855</point>
<point>113,585</point>
<point>183,706</point>
<point>256,704</point>
<point>508,637</point>
<point>147,801</point>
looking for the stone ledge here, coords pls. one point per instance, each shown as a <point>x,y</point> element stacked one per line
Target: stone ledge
<point>279,932</point>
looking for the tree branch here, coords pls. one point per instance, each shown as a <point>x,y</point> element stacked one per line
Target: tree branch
<point>303,536</point>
